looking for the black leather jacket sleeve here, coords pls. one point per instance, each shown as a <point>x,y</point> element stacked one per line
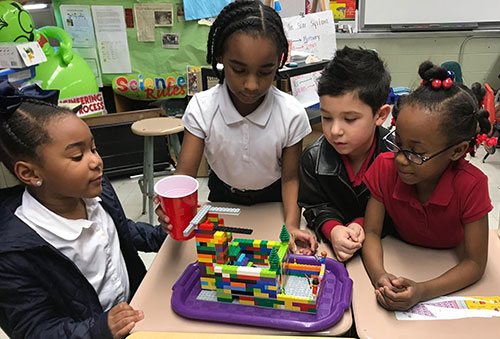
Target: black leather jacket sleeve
<point>313,195</point>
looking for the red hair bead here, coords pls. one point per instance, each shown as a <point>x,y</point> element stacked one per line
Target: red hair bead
<point>436,83</point>
<point>447,83</point>
<point>423,82</point>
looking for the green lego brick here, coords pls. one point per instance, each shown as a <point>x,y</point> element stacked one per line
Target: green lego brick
<point>282,251</point>
<point>229,269</point>
<point>206,248</point>
<point>267,273</point>
<point>267,302</point>
<point>234,251</point>
<point>245,242</point>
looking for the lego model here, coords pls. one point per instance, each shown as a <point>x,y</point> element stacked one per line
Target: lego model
<point>262,276</point>
<point>252,272</point>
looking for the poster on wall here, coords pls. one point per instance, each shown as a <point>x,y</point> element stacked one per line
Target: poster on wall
<point>92,104</point>
<point>144,86</point>
<point>77,22</point>
<point>194,79</point>
<point>305,88</point>
<point>112,45</point>
<point>313,34</point>
<point>151,15</point>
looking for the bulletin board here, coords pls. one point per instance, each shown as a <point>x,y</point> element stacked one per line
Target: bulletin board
<point>152,57</point>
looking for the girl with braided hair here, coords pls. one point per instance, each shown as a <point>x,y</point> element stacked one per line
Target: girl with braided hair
<point>250,131</point>
<point>68,255</point>
<point>434,197</point>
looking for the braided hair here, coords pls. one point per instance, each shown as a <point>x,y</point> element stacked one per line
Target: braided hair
<point>483,117</point>
<point>248,16</point>
<point>456,105</point>
<point>23,131</point>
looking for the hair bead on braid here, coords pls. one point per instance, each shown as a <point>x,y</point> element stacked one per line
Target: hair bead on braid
<point>456,104</point>
<point>247,16</point>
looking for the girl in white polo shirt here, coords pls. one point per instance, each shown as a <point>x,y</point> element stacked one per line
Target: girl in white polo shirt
<point>251,132</point>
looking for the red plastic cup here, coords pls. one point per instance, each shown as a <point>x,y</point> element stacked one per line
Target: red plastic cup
<point>178,196</point>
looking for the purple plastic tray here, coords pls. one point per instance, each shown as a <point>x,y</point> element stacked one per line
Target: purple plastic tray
<point>335,299</point>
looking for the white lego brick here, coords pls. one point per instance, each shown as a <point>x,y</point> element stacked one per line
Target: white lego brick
<point>225,210</point>
<point>250,271</point>
<point>190,228</point>
<point>201,213</point>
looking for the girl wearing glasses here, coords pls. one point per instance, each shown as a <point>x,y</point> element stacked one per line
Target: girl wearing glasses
<point>434,196</point>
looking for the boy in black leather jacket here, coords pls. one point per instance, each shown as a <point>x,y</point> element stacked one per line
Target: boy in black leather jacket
<point>353,91</point>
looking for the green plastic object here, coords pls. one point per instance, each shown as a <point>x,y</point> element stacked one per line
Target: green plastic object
<point>16,24</point>
<point>455,67</point>
<point>64,70</point>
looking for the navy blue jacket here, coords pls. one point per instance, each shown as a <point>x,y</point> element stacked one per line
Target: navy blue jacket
<point>42,293</point>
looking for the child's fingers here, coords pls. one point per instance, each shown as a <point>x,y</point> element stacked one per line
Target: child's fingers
<point>381,300</point>
<point>123,332</point>
<point>401,282</point>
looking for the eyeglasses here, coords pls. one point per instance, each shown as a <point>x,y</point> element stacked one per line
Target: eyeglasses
<point>413,157</point>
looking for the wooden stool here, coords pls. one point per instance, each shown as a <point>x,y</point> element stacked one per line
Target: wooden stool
<point>150,128</point>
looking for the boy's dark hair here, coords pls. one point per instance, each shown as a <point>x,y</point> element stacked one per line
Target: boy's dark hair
<point>250,17</point>
<point>457,105</point>
<point>23,131</point>
<point>359,71</point>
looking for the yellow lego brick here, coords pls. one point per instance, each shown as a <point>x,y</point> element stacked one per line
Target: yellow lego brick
<point>256,243</point>
<point>207,260</point>
<point>247,302</point>
<point>272,288</point>
<point>220,234</point>
<point>260,295</point>
<point>208,280</point>
<point>271,244</point>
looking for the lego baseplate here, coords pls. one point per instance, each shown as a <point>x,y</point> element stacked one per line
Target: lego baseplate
<point>335,299</point>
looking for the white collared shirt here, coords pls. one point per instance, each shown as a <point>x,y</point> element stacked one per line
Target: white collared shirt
<point>245,152</point>
<point>92,245</point>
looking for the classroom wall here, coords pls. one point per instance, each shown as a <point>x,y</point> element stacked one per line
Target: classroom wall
<point>480,62</point>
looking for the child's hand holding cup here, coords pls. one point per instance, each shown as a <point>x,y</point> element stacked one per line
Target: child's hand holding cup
<point>178,197</point>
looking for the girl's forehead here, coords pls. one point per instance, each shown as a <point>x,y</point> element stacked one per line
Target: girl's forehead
<point>420,125</point>
<point>244,42</point>
<point>66,127</point>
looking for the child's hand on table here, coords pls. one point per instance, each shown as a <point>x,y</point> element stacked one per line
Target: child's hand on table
<point>400,296</point>
<point>122,319</point>
<point>347,240</point>
<point>358,235</point>
<point>305,242</point>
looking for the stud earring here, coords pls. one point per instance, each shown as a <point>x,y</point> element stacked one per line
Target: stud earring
<point>39,183</point>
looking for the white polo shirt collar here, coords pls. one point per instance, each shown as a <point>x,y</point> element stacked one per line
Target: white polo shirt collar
<point>51,222</point>
<point>231,115</point>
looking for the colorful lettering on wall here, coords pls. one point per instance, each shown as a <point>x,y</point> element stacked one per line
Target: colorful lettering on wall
<point>151,87</point>
<point>92,104</point>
